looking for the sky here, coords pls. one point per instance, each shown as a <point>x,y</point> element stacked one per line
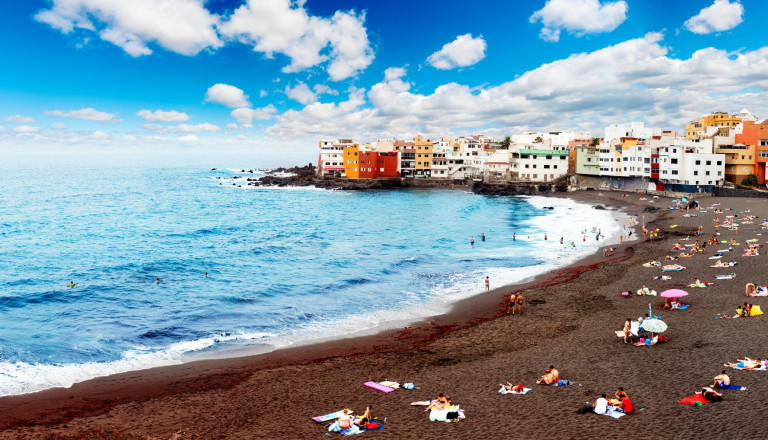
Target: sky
<point>276,76</point>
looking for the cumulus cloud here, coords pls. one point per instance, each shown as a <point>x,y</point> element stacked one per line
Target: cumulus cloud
<point>301,93</point>
<point>225,94</point>
<point>26,129</point>
<point>461,52</point>
<point>59,126</point>
<point>720,16</point>
<point>162,116</point>
<point>247,115</point>
<point>285,27</point>
<point>86,114</point>
<point>18,119</point>
<point>579,17</point>
<point>633,80</point>
<point>322,89</point>
<point>189,138</point>
<point>182,26</point>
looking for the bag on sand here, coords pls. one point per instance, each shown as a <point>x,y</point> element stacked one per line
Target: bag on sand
<point>586,409</point>
<point>452,415</point>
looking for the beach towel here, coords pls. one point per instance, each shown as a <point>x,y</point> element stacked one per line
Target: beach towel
<point>562,383</point>
<point>716,257</point>
<point>733,387</point>
<point>376,386</point>
<point>441,415</point>
<point>762,293</point>
<point>327,417</point>
<point>354,429</point>
<point>506,391</point>
<point>674,268</point>
<point>695,400</point>
<point>613,411</point>
<point>702,285</point>
<point>681,307</point>
<point>726,277</point>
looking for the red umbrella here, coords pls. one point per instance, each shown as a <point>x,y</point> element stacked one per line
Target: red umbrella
<point>673,293</point>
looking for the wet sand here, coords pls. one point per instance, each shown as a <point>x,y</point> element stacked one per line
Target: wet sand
<point>466,354</point>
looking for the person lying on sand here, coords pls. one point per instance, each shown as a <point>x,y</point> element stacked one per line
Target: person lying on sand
<point>670,258</point>
<point>751,289</point>
<point>746,364</point>
<point>365,418</point>
<point>711,395</point>
<point>515,388</point>
<point>439,403</point>
<point>721,379</point>
<point>550,377</point>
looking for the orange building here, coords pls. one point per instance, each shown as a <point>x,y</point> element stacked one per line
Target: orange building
<point>756,136</point>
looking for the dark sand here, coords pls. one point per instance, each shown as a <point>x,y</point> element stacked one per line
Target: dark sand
<point>466,354</point>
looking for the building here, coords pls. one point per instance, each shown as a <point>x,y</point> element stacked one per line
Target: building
<point>710,125</point>
<point>351,161</point>
<point>376,165</point>
<point>587,160</point>
<point>331,159</point>
<point>407,151</point>
<point>756,134</point>
<point>539,165</point>
<point>423,157</point>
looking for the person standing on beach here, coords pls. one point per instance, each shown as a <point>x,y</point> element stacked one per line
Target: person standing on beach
<point>627,328</point>
<point>545,236</point>
<point>512,302</point>
<point>520,301</point>
<point>472,241</point>
<point>514,237</point>
<point>487,284</point>
<point>482,237</point>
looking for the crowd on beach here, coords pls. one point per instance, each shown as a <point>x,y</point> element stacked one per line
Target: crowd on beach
<point>645,330</point>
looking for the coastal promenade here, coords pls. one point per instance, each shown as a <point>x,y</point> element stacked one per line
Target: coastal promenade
<point>466,354</point>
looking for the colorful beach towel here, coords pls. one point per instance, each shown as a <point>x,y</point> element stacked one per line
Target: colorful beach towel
<point>763,368</point>
<point>357,430</point>
<point>376,386</point>
<point>695,400</point>
<point>726,277</point>
<point>734,387</point>
<point>562,383</point>
<point>506,391</point>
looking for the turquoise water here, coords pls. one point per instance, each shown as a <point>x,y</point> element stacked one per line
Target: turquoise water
<point>284,264</point>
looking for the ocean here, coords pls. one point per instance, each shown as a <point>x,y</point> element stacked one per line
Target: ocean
<point>284,265</point>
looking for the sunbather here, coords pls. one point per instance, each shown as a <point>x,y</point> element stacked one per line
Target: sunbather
<point>751,289</point>
<point>345,420</point>
<point>746,364</point>
<point>550,377</point>
<point>515,388</point>
<point>627,327</point>
<point>438,403</point>
<point>721,379</point>
<point>711,395</point>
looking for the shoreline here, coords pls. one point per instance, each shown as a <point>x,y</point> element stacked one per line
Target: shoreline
<point>466,355</point>
<point>389,336</point>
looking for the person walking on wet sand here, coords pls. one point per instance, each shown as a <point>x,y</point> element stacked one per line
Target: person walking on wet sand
<point>487,284</point>
<point>512,302</point>
<point>516,299</point>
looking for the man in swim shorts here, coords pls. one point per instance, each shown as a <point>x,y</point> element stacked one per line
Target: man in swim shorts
<point>520,301</point>
<point>512,302</point>
<point>487,284</point>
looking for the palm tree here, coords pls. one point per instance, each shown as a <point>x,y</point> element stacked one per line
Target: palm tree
<point>505,143</point>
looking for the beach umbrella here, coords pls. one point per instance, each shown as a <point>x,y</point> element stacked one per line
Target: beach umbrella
<point>654,325</point>
<point>673,293</point>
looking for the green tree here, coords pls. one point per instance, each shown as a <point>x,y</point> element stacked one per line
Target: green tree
<point>595,142</point>
<point>750,180</point>
<point>505,143</point>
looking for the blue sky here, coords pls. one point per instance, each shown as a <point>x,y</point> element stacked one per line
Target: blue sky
<point>96,72</point>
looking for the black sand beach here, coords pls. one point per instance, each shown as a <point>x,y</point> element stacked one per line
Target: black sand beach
<point>466,354</point>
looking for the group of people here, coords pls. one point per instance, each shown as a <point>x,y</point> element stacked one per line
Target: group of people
<point>347,420</point>
<point>620,402</point>
<point>516,300</point>
<point>550,376</point>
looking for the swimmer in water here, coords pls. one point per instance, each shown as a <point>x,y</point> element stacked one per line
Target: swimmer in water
<point>157,280</point>
<point>71,284</point>
<point>206,274</point>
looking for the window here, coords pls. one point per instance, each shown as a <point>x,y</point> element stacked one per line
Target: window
<point>674,172</point>
<point>546,166</point>
<point>709,162</point>
<point>719,173</point>
<point>698,162</point>
<point>674,161</point>
<point>707,173</point>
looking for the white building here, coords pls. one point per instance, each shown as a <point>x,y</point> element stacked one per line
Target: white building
<point>538,165</point>
<point>331,159</point>
<point>631,130</point>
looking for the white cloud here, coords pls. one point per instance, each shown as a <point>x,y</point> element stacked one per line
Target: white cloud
<point>285,27</point>
<point>182,128</point>
<point>579,17</point>
<point>59,126</point>
<point>162,116</point>
<point>301,93</point>
<point>232,126</point>
<point>246,115</point>
<point>227,95</point>
<point>263,93</point>
<point>182,26</point>
<point>322,89</point>
<point>461,52</point>
<point>26,129</point>
<point>721,16</point>
<point>633,80</point>
<point>189,138</point>
<point>86,114</point>
<point>18,119</point>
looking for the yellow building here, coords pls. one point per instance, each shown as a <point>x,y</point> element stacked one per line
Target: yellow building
<point>697,129</point>
<point>739,161</point>
<point>351,161</point>
<point>423,156</point>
